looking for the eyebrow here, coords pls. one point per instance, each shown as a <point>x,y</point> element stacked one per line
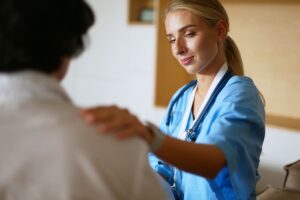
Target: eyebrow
<point>183,28</point>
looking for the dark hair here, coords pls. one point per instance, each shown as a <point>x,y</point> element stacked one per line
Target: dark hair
<point>37,34</point>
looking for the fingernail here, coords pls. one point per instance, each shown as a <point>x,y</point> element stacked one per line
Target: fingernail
<point>89,118</point>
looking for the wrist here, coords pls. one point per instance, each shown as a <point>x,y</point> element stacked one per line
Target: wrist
<point>157,137</point>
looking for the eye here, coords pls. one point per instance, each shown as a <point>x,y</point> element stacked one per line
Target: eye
<point>171,41</point>
<point>190,34</point>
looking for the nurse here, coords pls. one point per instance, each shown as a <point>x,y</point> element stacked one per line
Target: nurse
<point>210,140</point>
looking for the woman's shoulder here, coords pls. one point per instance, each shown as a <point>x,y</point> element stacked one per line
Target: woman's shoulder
<point>240,84</point>
<point>240,88</point>
<point>240,81</point>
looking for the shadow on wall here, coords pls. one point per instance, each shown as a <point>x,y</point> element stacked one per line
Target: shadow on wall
<point>270,176</point>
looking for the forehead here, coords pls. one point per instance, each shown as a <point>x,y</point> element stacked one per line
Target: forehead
<point>177,19</point>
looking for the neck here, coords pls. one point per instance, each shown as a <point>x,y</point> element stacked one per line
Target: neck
<point>206,77</point>
<point>61,71</point>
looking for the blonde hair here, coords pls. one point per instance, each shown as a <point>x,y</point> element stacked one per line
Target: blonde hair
<point>212,11</point>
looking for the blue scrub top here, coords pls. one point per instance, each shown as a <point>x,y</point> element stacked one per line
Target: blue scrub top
<point>235,124</point>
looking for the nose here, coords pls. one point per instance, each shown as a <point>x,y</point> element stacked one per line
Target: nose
<point>180,47</point>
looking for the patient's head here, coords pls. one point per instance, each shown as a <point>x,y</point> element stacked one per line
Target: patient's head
<point>42,35</point>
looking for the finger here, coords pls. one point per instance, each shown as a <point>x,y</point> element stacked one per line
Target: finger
<point>117,118</point>
<point>134,132</point>
<point>90,118</point>
<point>96,109</point>
<point>127,133</point>
<point>99,114</point>
<point>118,124</point>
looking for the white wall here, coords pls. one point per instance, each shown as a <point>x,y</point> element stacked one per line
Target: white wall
<point>281,147</point>
<point>119,68</point>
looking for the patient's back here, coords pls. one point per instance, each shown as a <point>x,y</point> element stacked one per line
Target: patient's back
<point>48,152</point>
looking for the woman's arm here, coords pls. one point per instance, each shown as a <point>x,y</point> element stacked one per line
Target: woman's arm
<point>201,159</point>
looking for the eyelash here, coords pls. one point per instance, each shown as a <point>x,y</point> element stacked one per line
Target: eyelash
<point>188,35</point>
<point>172,41</point>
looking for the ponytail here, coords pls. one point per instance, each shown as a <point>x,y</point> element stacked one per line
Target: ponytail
<point>233,57</point>
<point>235,63</point>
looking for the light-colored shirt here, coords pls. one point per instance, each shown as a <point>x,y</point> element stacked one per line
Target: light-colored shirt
<point>47,152</point>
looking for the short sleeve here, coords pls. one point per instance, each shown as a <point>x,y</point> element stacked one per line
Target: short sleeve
<point>237,128</point>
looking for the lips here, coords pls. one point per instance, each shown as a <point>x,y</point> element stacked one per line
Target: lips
<point>187,60</point>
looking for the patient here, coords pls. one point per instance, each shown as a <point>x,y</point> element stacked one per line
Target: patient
<point>46,151</point>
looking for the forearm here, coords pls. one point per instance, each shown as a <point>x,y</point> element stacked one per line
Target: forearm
<point>204,160</point>
<point>201,159</point>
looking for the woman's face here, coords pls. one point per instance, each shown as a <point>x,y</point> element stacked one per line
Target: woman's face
<point>194,43</point>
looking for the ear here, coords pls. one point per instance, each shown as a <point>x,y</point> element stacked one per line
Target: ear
<point>60,73</point>
<point>222,30</point>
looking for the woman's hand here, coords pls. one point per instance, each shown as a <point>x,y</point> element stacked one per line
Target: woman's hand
<point>111,119</point>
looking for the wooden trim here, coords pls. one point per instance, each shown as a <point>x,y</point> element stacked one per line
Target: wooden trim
<point>134,9</point>
<point>262,1</point>
<point>286,122</point>
<point>138,23</point>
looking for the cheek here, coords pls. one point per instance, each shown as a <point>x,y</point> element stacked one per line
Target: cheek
<point>174,52</point>
<point>206,47</point>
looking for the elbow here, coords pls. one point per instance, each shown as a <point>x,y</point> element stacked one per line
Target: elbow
<point>209,172</point>
<point>215,169</point>
<point>212,174</point>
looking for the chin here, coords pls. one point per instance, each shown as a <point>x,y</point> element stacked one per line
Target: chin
<point>192,69</point>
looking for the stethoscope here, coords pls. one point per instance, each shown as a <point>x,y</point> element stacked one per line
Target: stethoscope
<point>192,134</point>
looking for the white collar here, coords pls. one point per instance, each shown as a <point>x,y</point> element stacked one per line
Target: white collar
<point>28,85</point>
<point>182,131</point>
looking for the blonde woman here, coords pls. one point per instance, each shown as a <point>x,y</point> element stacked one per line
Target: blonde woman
<point>210,140</point>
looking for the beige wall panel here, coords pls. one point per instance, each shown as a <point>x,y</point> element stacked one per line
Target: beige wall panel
<point>267,33</point>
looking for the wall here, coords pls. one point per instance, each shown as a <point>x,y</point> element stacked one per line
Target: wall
<point>281,147</point>
<point>118,67</point>
<point>267,33</point>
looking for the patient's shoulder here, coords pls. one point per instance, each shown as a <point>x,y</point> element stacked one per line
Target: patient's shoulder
<point>110,161</point>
